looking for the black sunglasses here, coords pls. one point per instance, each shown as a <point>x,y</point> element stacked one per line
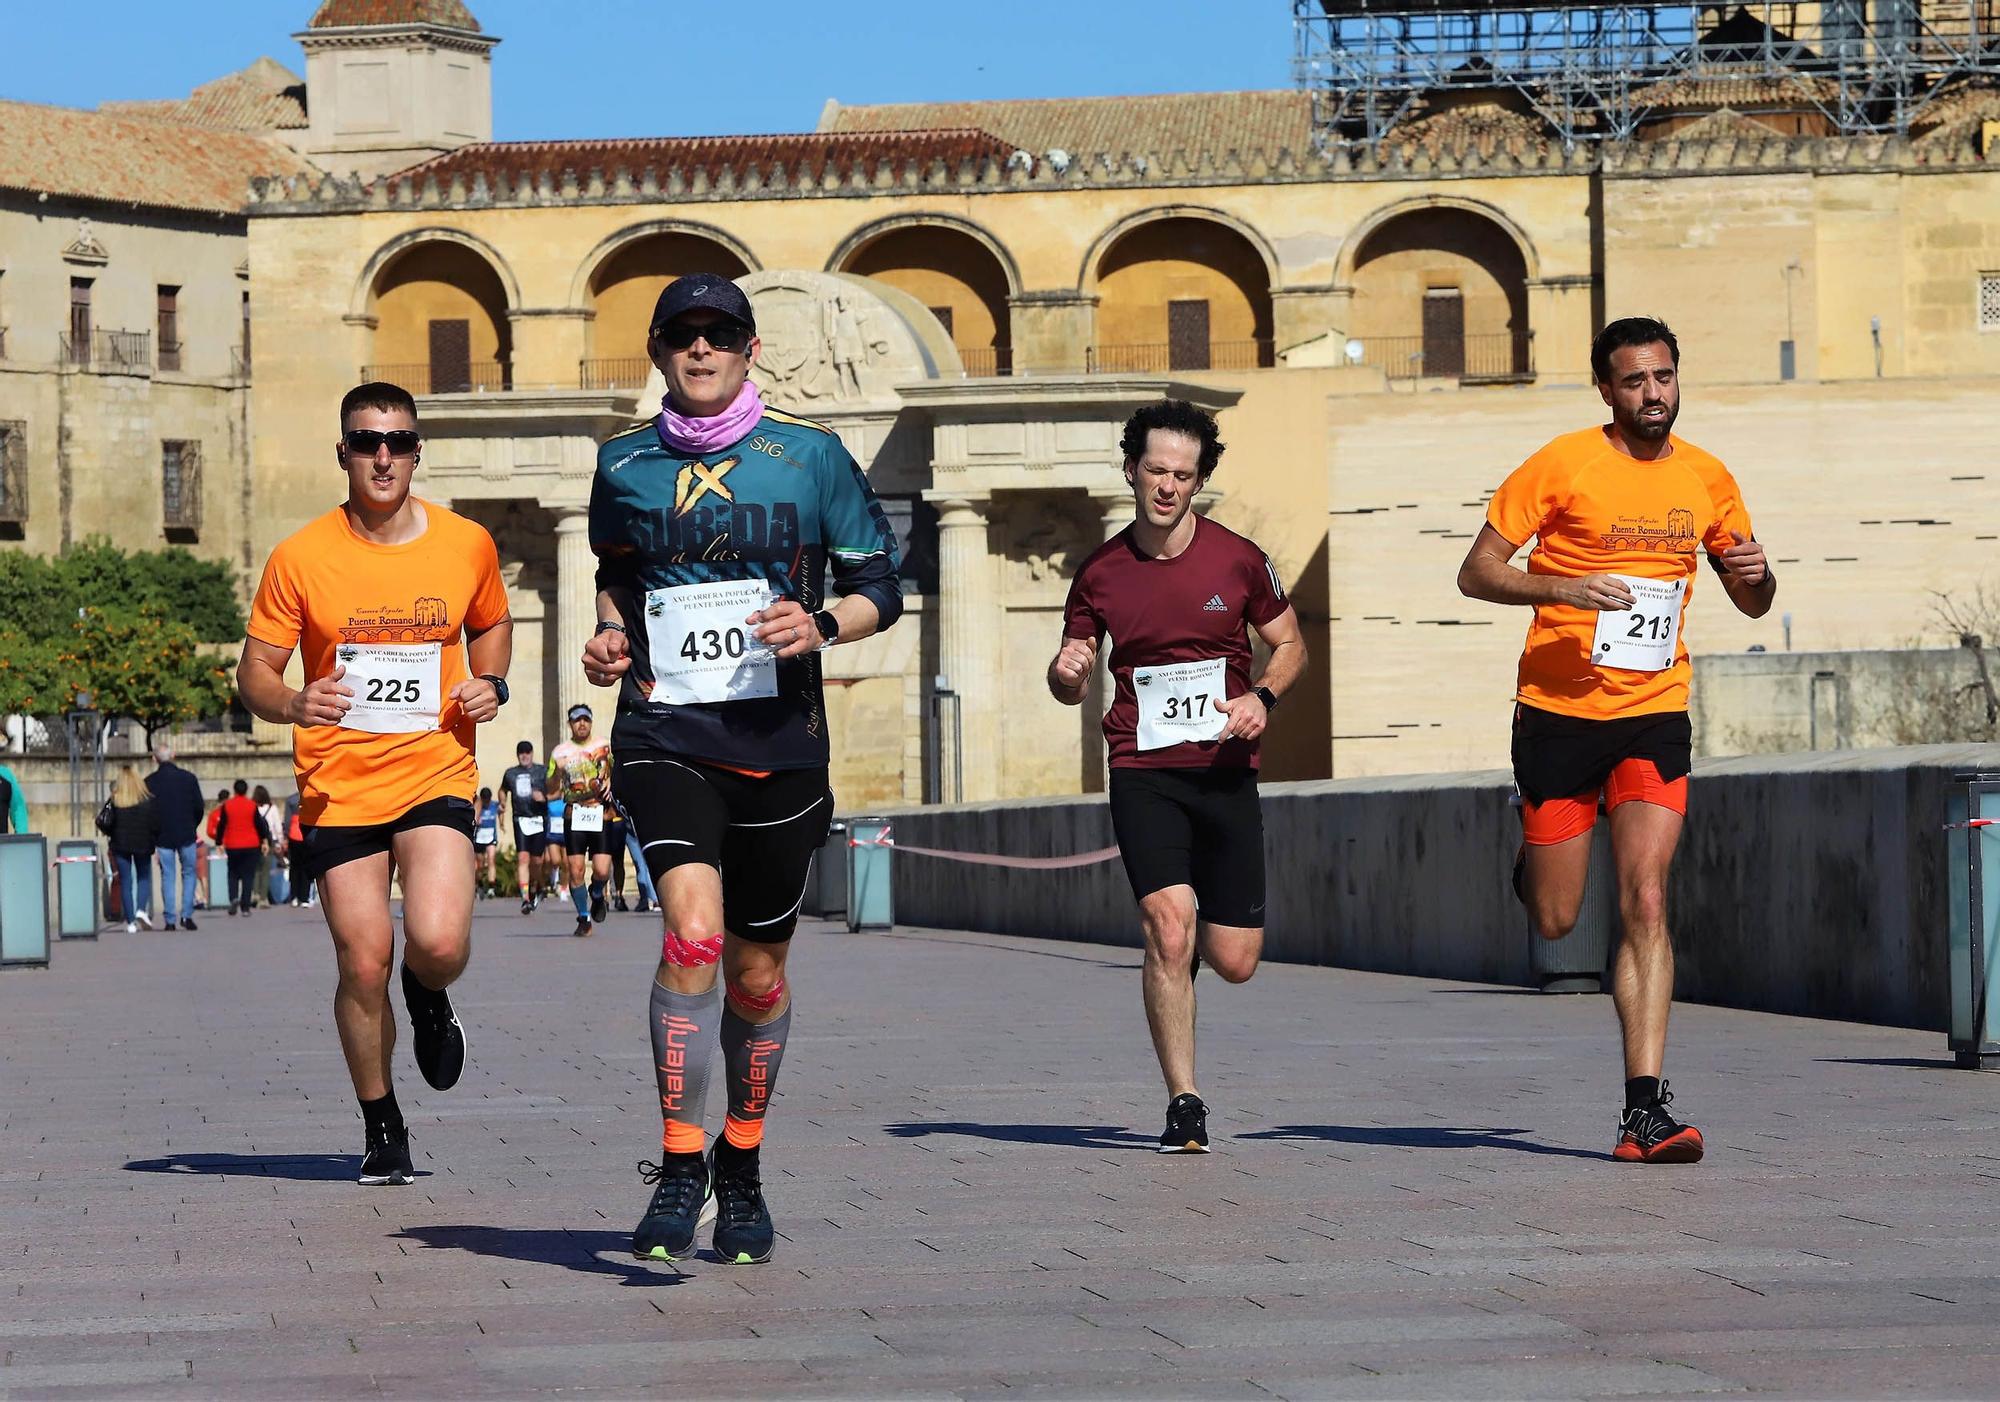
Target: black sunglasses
<point>728,336</point>
<point>368,441</point>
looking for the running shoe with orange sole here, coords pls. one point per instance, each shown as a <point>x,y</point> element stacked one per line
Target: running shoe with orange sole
<point>1650,1135</point>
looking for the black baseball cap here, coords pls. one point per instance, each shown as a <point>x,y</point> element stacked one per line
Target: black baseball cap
<point>698,290</point>
<point>525,747</point>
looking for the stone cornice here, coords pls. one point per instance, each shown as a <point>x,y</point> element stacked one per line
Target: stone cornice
<point>373,36</point>
<point>564,185</point>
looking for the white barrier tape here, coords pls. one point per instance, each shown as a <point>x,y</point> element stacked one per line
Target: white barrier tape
<point>1973,823</point>
<point>991,859</point>
<point>65,861</point>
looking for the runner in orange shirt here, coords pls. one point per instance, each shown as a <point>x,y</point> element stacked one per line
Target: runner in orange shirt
<point>1617,513</point>
<point>377,594</point>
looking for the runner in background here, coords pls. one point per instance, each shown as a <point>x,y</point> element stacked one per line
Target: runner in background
<point>580,771</point>
<point>486,845</point>
<point>1178,595</point>
<point>524,794</point>
<point>1617,513</point>
<point>398,611</point>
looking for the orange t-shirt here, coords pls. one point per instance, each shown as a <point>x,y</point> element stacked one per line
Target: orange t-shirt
<point>325,585</point>
<point>1594,510</point>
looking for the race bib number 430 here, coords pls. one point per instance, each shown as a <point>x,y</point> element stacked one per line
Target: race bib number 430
<point>1177,702</point>
<point>703,651</point>
<point>396,686</point>
<point>1643,637</point>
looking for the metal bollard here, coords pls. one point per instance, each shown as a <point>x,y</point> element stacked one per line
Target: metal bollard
<point>1972,896</point>
<point>1580,962</point>
<point>80,873</point>
<point>24,899</point>
<point>871,896</point>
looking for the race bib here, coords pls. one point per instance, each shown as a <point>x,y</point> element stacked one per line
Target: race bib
<point>1642,638</point>
<point>586,817</point>
<point>703,651</point>
<point>555,825</point>
<point>396,686</point>
<point>524,787</point>
<point>530,827</point>
<point>484,835</point>
<point>1177,702</point>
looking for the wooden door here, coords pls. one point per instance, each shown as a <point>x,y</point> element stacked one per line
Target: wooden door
<point>1444,332</point>
<point>451,357</point>
<point>1187,335</point>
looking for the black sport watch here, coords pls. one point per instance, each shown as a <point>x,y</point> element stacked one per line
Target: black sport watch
<point>499,685</point>
<point>829,627</point>
<point>1267,696</point>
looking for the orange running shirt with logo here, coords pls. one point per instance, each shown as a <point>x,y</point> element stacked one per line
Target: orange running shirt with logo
<point>1593,510</point>
<point>325,585</point>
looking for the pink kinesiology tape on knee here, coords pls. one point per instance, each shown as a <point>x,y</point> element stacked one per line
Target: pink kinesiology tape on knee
<point>683,953</point>
<point>758,1002</point>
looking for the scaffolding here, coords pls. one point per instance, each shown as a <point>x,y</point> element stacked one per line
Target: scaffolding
<point>1597,72</point>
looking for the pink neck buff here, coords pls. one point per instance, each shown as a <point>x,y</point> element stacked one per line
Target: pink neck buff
<point>699,437</point>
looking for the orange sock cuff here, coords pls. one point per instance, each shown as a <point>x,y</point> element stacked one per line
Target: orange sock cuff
<point>683,1139</point>
<point>743,1134</point>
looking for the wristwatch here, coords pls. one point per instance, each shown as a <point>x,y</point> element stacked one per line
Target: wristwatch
<point>829,627</point>
<point>1267,696</point>
<point>499,685</point>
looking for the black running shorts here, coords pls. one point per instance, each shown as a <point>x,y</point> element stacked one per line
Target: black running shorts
<point>321,849</point>
<point>529,844</point>
<point>586,844</point>
<point>1557,756</point>
<point>760,833</point>
<point>1193,827</point>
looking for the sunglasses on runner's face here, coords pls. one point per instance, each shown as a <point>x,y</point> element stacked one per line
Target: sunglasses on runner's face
<point>368,441</point>
<point>721,335</point>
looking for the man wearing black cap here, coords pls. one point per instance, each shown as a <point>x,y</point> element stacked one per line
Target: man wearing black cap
<point>715,527</point>
<point>580,774</point>
<point>524,795</point>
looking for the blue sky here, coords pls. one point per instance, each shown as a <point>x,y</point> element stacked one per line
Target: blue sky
<point>574,68</point>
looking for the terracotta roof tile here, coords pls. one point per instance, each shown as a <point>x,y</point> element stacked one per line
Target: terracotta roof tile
<point>815,152</point>
<point>1724,89</point>
<point>134,160</point>
<point>1487,129</point>
<point>1216,122</point>
<point>1723,124</point>
<point>338,14</point>
<point>266,96</point>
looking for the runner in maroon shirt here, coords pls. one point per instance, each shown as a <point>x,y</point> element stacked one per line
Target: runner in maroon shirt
<point>1177,593</point>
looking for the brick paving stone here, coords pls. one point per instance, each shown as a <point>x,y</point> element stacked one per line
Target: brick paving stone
<point>1410,1194</point>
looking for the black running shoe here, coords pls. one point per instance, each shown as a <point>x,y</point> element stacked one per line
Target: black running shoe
<point>683,1201</point>
<point>742,1220</point>
<point>598,909</point>
<point>387,1160</point>
<point>188,924</point>
<point>618,904</point>
<point>527,906</point>
<point>1650,1135</point>
<point>435,1029</point>
<point>1187,1126</point>
<point>582,930</point>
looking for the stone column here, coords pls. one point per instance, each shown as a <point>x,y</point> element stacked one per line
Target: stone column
<point>575,603</point>
<point>966,638</point>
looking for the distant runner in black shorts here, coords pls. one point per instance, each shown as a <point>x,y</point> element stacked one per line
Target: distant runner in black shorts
<point>1177,594</point>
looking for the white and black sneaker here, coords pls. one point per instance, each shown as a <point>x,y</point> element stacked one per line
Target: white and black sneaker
<point>434,1028</point>
<point>387,1160</point>
<point>1187,1126</point>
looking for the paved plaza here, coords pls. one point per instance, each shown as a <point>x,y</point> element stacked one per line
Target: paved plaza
<point>1411,1194</point>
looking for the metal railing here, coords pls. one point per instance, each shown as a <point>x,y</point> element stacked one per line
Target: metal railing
<point>1156,356</point>
<point>14,472</point>
<point>129,352</point>
<point>170,355</point>
<point>616,372</point>
<point>180,485</point>
<point>983,361</point>
<point>480,377</point>
<point>1501,356</point>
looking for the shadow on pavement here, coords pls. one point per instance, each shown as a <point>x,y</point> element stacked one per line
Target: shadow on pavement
<point>577,1251</point>
<point>1421,1137</point>
<point>1010,949</point>
<point>1068,1136</point>
<point>1914,1063</point>
<point>310,1168</point>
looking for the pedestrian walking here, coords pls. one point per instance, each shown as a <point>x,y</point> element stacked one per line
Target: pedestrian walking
<point>134,833</point>
<point>177,800</point>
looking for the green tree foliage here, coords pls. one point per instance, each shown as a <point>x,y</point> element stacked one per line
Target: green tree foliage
<point>134,630</point>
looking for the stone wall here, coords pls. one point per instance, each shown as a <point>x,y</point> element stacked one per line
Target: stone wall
<point>1806,884</point>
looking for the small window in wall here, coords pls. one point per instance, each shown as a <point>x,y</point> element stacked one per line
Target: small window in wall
<point>13,477</point>
<point>1989,301</point>
<point>169,325</point>
<point>243,364</point>
<point>79,321</point>
<point>1187,335</point>
<point>943,314</point>
<point>180,487</point>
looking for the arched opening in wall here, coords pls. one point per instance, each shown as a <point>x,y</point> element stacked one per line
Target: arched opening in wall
<point>441,322</point>
<point>622,292</point>
<point>1182,293</point>
<point>1443,292</point>
<point>957,277</point>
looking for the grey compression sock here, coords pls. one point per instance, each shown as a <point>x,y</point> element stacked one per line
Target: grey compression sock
<point>684,1045</point>
<point>753,1052</point>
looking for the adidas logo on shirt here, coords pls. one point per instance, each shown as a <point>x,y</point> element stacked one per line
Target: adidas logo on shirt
<point>1215,605</point>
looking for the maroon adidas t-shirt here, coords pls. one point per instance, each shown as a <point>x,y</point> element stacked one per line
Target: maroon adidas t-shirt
<point>1196,606</point>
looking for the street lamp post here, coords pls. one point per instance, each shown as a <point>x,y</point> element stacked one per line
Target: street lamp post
<point>83,724</point>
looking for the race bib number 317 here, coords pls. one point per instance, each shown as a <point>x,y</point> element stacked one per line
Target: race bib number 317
<point>1177,702</point>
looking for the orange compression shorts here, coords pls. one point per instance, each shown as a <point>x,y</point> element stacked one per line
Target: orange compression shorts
<point>1560,819</point>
